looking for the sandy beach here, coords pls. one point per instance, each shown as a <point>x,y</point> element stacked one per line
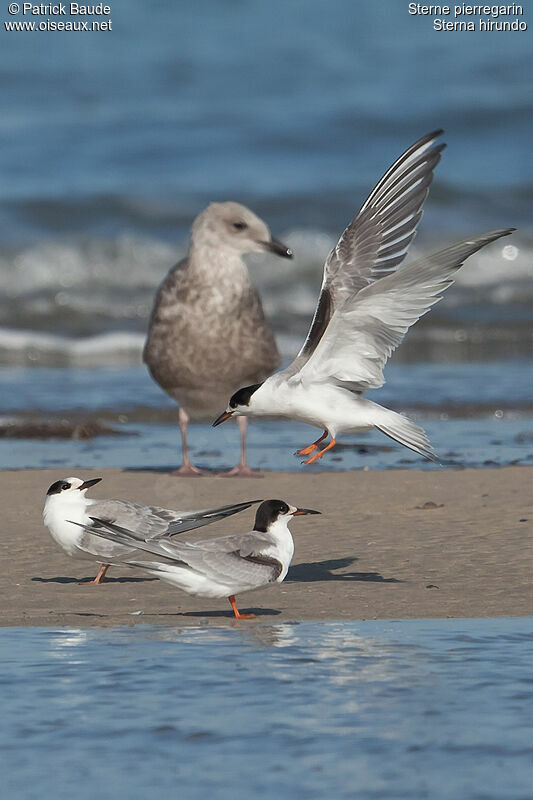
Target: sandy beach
<point>393,544</point>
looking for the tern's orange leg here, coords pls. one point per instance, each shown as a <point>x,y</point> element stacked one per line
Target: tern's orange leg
<point>321,452</point>
<point>100,577</point>
<point>306,451</point>
<point>236,611</point>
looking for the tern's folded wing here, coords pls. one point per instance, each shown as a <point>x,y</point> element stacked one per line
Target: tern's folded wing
<point>154,522</point>
<point>229,569</point>
<point>223,559</point>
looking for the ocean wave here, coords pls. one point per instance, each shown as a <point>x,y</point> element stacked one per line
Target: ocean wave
<point>26,348</point>
<point>77,300</point>
<point>309,205</point>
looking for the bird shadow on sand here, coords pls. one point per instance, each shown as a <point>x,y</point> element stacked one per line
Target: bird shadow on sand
<point>212,472</point>
<point>81,581</point>
<point>324,571</point>
<point>258,612</point>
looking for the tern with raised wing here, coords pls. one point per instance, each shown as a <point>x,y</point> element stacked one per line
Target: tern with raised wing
<point>220,567</point>
<point>366,306</point>
<point>67,507</point>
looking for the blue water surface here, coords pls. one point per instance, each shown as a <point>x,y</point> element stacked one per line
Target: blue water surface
<point>290,107</point>
<point>436,709</point>
<point>444,398</point>
<point>500,383</point>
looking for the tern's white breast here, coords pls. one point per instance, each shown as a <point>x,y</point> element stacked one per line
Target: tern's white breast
<point>57,510</point>
<point>323,405</point>
<point>283,548</point>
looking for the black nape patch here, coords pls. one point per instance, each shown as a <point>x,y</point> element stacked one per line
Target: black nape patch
<point>57,487</point>
<point>242,397</point>
<point>268,512</point>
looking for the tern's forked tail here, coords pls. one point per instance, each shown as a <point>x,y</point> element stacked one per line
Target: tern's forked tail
<point>404,431</point>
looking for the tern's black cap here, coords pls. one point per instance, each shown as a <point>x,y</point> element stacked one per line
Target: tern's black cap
<point>57,487</point>
<point>242,396</point>
<point>268,512</point>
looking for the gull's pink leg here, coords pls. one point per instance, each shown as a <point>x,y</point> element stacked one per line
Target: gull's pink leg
<point>242,470</point>
<point>186,470</point>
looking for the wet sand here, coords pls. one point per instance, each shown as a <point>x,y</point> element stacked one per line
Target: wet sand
<point>393,544</point>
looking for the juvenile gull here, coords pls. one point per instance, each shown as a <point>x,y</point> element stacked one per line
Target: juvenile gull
<point>66,504</point>
<point>365,308</point>
<point>208,334</point>
<point>221,567</point>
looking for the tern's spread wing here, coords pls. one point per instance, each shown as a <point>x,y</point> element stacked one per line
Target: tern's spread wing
<point>153,522</point>
<point>376,241</point>
<point>365,331</point>
<point>224,559</point>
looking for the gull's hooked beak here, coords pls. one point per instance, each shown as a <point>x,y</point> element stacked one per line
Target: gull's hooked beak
<point>88,484</point>
<point>301,511</point>
<point>278,248</point>
<point>222,418</point>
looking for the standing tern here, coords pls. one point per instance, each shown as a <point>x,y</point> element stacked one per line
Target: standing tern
<point>66,507</point>
<point>208,334</point>
<point>365,308</point>
<point>221,567</point>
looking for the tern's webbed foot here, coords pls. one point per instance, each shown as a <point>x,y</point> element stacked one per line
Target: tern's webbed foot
<point>236,611</point>
<point>306,451</point>
<point>320,453</point>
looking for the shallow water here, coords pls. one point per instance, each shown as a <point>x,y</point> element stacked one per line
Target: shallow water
<point>434,709</point>
<point>486,442</point>
<point>475,414</point>
<point>496,384</point>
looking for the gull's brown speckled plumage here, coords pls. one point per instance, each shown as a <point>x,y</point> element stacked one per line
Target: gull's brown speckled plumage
<point>208,334</point>
<point>204,342</point>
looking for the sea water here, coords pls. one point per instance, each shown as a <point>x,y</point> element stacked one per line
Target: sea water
<point>436,709</point>
<point>111,143</point>
<point>476,415</point>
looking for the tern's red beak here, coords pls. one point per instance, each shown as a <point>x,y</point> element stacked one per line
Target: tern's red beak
<point>301,511</point>
<point>223,417</point>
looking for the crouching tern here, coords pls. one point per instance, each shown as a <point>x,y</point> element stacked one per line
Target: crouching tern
<point>221,567</point>
<point>66,508</point>
<point>365,308</point>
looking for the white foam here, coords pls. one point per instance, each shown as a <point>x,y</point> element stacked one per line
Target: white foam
<point>34,348</point>
<point>90,288</point>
